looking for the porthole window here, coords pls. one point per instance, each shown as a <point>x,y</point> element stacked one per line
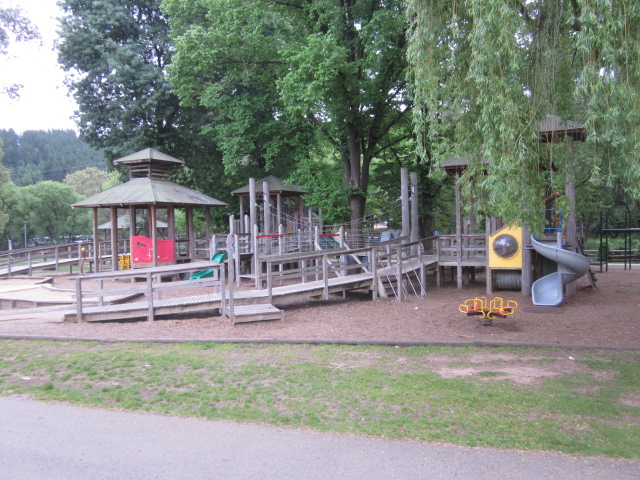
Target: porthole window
<point>505,246</point>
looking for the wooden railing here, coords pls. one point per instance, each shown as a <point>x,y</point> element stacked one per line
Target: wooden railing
<point>153,286</point>
<point>472,249</point>
<point>387,259</point>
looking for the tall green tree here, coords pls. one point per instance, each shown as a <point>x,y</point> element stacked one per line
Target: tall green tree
<point>116,53</point>
<point>15,26</point>
<point>87,182</point>
<point>486,73</point>
<point>268,69</point>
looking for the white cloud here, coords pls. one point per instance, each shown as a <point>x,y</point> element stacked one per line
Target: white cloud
<point>44,102</point>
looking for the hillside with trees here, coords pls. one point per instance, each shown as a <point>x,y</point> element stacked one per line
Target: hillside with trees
<point>38,155</point>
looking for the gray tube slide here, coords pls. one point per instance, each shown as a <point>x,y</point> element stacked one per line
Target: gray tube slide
<point>549,290</point>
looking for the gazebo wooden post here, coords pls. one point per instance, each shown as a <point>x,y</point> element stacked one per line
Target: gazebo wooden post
<point>153,220</point>
<point>132,224</point>
<point>96,242</point>
<point>190,230</point>
<point>171,224</point>
<point>241,198</point>
<point>114,238</point>
<point>207,230</point>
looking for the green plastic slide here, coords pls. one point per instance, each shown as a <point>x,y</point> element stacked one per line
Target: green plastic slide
<point>218,257</point>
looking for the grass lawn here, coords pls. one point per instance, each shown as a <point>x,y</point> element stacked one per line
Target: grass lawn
<point>580,402</point>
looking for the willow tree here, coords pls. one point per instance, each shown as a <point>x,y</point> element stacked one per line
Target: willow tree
<point>485,73</point>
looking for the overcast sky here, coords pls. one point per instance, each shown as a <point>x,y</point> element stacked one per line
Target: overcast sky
<point>44,103</point>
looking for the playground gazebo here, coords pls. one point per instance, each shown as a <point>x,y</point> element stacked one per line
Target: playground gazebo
<point>147,193</point>
<point>287,209</point>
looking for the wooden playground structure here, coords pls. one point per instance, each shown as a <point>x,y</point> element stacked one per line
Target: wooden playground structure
<point>276,244</point>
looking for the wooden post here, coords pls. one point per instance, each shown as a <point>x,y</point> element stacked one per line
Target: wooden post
<point>255,264</point>
<point>325,277</point>
<point>150,316</point>
<point>114,238</point>
<point>374,273</point>
<point>78,300</point>
<point>236,272</point>
<point>404,199</point>
<point>269,281</point>
<point>191,234</point>
<point>279,208</point>
<point>241,214</point>
<point>252,205</point>
<point>266,211</point>
<point>459,230</point>
<point>154,234</point>
<point>171,220</point>
<point>232,273</point>
<point>527,274</point>
<point>101,297</point>
<point>207,233</point>
<point>489,273</point>
<point>570,229</point>
<point>415,217</point>
<point>423,272</point>
<point>222,276</point>
<point>400,293</point>
<point>97,264</point>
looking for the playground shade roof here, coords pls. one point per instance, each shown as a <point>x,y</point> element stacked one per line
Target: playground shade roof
<point>147,191</point>
<point>276,185</point>
<point>148,155</point>
<point>552,128</point>
<point>458,163</point>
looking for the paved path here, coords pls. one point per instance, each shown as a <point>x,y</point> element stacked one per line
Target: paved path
<point>49,441</point>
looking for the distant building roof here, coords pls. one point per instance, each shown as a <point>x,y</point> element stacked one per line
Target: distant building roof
<point>147,191</point>
<point>553,128</point>
<point>276,185</point>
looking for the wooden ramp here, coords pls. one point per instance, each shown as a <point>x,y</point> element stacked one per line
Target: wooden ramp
<point>243,299</point>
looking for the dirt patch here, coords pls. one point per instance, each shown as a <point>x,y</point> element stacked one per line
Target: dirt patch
<point>603,317</point>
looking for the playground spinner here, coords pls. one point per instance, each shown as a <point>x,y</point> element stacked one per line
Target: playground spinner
<point>496,308</point>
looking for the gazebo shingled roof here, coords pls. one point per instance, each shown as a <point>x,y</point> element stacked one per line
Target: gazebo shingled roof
<point>147,191</point>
